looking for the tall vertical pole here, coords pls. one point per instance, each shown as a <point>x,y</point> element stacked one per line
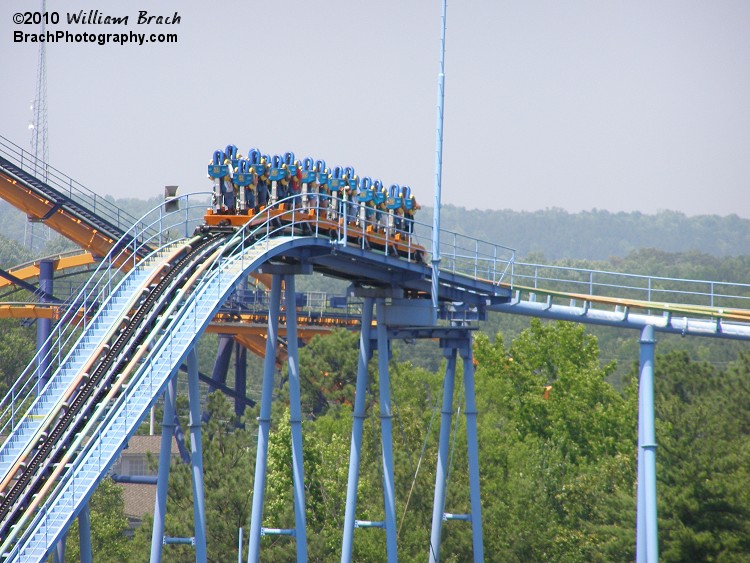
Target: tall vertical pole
<point>196,457</point>
<point>386,435</point>
<point>162,480</point>
<point>355,453</point>
<point>44,326</point>
<point>438,172</point>
<point>295,415</point>
<point>473,447</point>
<point>264,421</point>
<point>647,445</point>
<point>84,534</point>
<point>441,475</point>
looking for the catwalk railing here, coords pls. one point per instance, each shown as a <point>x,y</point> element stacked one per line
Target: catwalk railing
<point>546,279</point>
<point>82,310</point>
<point>67,186</point>
<point>109,425</point>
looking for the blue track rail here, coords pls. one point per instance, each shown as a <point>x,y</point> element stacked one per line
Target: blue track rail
<point>102,326</point>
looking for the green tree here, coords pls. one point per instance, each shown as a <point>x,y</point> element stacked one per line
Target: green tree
<point>557,449</point>
<point>228,454</point>
<point>108,527</point>
<point>703,459</point>
<point>328,371</point>
<point>17,348</point>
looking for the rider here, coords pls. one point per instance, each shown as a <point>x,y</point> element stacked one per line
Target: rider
<point>410,209</point>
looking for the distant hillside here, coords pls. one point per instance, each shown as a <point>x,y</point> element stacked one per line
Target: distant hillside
<point>553,233</point>
<point>598,235</point>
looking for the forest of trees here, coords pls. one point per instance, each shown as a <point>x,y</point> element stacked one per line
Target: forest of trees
<point>557,470</point>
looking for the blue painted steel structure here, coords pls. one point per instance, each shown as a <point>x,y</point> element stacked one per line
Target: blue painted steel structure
<point>264,422</point>
<point>386,432</point>
<point>355,452</point>
<point>472,282</point>
<point>44,326</point>
<point>647,541</point>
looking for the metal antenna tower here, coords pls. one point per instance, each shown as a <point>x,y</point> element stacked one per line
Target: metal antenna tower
<point>38,128</point>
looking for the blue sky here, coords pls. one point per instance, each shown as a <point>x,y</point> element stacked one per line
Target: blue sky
<point>578,105</point>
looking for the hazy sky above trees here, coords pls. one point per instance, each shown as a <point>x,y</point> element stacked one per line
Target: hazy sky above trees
<point>583,104</point>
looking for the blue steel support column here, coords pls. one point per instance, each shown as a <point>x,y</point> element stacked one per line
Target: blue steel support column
<point>196,456</point>
<point>386,435</point>
<point>162,480</point>
<point>640,511</point>
<point>261,457</point>
<point>355,453</point>
<point>295,415</point>
<point>223,355</point>
<point>473,447</point>
<point>44,326</point>
<point>221,363</point>
<point>240,378</point>
<point>84,534</point>
<point>58,556</point>
<point>441,475</point>
<point>647,447</point>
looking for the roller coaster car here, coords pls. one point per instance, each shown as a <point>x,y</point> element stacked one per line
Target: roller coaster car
<point>281,215</point>
<point>282,176</point>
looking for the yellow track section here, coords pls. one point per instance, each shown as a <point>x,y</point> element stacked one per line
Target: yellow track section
<point>59,264</point>
<point>725,313</point>
<point>38,207</point>
<point>29,311</point>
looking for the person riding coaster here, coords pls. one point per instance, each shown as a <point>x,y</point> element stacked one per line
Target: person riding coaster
<point>220,171</point>
<point>337,198</point>
<point>380,197</point>
<point>395,209</point>
<point>410,207</point>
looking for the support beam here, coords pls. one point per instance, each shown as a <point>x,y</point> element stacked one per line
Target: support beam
<point>165,457</point>
<point>264,421</point>
<point>453,345</point>
<point>58,556</point>
<point>240,379</point>
<point>441,475</point>
<point>196,456</point>
<point>473,447</point>
<point>386,435</point>
<point>355,452</point>
<point>84,534</point>
<point>44,326</point>
<point>648,532</point>
<point>223,355</point>
<point>44,296</point>
<point>295,415</point>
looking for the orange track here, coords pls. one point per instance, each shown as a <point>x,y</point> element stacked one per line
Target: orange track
<point>37,207</point>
